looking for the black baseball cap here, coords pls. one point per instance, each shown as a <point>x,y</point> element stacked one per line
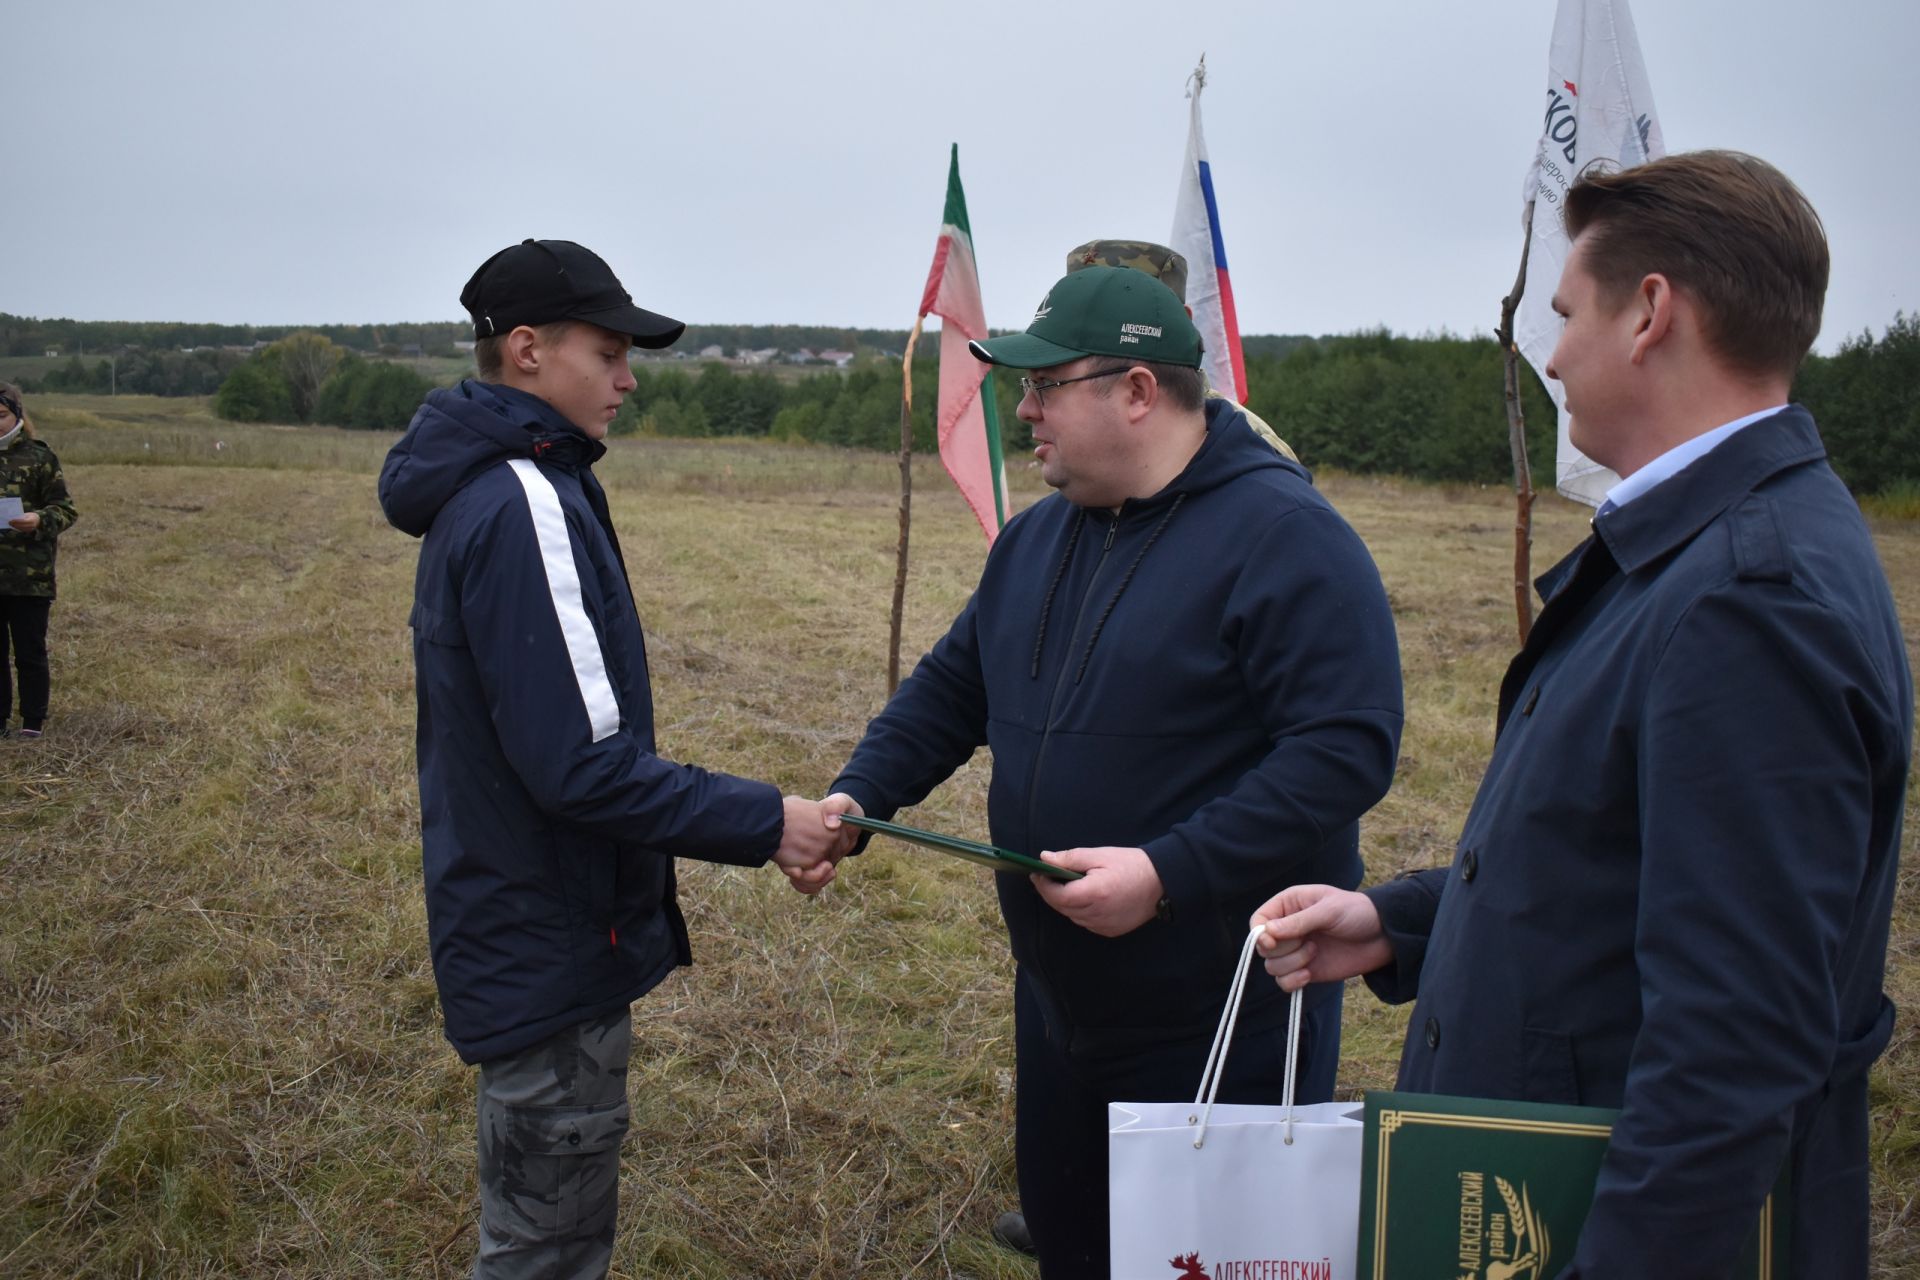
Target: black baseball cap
<point>541,281</point>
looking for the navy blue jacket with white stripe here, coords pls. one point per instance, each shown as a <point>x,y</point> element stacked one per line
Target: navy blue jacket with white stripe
<point>548,823</point>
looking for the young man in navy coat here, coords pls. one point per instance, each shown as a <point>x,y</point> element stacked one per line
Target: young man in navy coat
<point>1672,894</point>
<point>549,822</point>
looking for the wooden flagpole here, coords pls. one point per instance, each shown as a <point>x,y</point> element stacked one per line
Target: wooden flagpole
<point>1517,442</point>
<point>906,509</point>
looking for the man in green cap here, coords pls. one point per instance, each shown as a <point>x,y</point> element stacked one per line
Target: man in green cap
<point>1185,667</point>
<point>1170,269</point>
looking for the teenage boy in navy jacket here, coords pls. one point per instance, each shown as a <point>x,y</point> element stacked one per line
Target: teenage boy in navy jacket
<point>548,821</point>
<point>1185,666</point>
<point>1673,891</point>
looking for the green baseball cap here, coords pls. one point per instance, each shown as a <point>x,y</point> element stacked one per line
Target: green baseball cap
<point>1100,311</point>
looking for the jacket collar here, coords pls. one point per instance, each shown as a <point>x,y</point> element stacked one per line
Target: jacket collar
<point>1656,523</point>
<point>1229,449</point>
<point>553,440</point>
<point>1673,512</point>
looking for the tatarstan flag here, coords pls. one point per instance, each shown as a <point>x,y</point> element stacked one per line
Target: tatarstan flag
<point>968,426</point>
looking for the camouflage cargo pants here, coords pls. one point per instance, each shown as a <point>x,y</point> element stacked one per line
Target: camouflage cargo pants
<point>551,1121</point>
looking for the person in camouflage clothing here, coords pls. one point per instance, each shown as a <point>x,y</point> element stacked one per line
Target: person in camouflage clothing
<point>30,474</point>
<point>1170,269</point>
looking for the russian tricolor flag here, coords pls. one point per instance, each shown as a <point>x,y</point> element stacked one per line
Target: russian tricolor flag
<point>1197,238</point>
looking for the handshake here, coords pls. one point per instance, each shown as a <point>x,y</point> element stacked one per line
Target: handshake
<point>813,840</point>
<point>1118,889</point>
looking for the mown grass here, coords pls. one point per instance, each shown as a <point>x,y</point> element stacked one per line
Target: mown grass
<point>222,1054</point>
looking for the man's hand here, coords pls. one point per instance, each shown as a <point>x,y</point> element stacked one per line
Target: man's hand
<point>26,523</point>
<point>830,809</point>
<point>1317,933</point>
<point>1119,893</point>
<point>808,849</point>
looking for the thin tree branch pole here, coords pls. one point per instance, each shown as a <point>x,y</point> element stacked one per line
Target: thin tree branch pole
<point>906,510</point>
<point>1517,442</point>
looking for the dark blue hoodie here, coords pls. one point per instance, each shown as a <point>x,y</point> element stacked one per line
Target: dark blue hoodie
<point>1211,675</point>
<point>549,825</point>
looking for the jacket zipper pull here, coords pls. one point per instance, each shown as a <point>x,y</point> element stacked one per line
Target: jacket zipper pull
<point>1111,530</point>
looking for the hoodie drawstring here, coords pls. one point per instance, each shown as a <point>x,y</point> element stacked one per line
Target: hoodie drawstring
<point>1106,613</point>
<point>1046,606</point>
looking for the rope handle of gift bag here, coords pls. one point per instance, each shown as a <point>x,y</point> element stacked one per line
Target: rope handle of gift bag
<point>1223,1036</point>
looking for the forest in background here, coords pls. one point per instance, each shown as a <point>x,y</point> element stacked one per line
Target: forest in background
<point>1428,407</point>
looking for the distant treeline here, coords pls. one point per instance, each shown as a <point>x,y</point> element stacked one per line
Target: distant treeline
<point>28,336</point>
<point>1429,407</point>
<point>91,339</point>
<point>859,409</point>
<point>1375,403</point>
<point>1433,408</point>
<point>165,372</point>
<point>1866,398</point>
<point>305,377</point>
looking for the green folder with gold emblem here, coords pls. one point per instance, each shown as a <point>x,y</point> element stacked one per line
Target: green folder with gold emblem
<point>1488,1190</point>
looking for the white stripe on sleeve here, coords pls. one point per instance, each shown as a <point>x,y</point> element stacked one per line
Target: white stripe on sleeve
<point>563,581</point>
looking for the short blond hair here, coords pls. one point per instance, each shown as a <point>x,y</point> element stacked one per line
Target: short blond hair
<point>490,354</point>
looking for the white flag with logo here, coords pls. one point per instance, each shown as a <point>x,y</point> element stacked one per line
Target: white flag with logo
<point>1599,109</point>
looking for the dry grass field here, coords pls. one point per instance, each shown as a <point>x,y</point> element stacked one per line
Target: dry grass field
<point>221,1051</point>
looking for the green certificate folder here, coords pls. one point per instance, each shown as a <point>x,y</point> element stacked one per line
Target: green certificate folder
<point>973,851</point>
<point>1486,1190</point>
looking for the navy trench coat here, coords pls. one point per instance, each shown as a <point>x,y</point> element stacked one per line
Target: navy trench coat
<point>1672,894</point>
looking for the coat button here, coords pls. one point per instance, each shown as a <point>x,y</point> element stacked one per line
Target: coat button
<point>1469,865</point>
<point>1433,1033</point>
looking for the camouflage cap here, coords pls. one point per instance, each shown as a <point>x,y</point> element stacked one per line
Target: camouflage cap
<point>1158,261</point>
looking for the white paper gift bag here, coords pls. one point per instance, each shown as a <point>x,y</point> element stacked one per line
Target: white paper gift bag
<point>1203,1190</point>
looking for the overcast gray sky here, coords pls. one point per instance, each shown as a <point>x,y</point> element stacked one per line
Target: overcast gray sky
<point>775,162</point>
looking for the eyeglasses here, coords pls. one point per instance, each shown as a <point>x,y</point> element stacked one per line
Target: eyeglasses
<point>1038,390</point>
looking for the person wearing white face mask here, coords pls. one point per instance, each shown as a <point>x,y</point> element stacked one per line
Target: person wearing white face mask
<point>35,509</point>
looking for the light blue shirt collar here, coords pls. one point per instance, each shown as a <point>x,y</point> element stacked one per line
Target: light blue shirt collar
<point>1679,458</point>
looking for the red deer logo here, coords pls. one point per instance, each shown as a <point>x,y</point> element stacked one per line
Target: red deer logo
<point>1190,1267</point>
